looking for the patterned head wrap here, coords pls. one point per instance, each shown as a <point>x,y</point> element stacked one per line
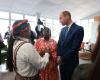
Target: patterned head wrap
<point>20,26</point>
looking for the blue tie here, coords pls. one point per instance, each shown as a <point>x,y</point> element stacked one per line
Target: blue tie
<point>66,31</point>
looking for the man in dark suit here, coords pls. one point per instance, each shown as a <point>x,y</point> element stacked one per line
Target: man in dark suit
<point>70,39</point>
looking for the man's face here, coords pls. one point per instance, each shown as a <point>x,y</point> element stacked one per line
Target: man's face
<point>63,19</point>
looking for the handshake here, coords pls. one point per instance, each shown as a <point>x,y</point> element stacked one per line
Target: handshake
<point>45,51</point>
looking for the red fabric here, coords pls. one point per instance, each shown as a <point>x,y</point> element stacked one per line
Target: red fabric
<point>51,71</point>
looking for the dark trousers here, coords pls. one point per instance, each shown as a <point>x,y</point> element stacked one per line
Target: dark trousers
<point>66,71</point>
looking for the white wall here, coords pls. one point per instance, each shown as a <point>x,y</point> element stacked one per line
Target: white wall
<point>94,32</point>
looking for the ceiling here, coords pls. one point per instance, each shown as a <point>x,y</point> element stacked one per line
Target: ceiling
<point>51,8</point>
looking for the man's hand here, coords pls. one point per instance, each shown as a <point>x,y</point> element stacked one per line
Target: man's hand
<point>42,53</point>
<point>59,60</point>
<point>47,50</point>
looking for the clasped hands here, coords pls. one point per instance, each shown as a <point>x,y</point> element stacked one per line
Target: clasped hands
<point>49,52</point>
<point>45,51</point>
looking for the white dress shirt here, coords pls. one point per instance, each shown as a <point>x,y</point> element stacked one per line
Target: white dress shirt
<point>69,26</point>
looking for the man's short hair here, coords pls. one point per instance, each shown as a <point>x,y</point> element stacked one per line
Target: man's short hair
<point>66,13</point>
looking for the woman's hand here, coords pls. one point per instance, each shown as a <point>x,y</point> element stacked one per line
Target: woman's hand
<point>48,51</point>
<point>42,53</point>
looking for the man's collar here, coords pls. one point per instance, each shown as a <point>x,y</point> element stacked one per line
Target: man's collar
<point>70,25</point>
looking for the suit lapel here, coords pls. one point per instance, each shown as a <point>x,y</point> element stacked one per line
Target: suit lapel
<point>69,33</point>
<point>63,37</point>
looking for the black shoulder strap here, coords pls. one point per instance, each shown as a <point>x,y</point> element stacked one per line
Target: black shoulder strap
<point>15,54</point>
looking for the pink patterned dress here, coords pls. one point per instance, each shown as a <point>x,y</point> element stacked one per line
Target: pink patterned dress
<point>51,71</point>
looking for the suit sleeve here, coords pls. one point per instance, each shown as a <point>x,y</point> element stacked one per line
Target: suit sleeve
<point>59,43</point>
<point>77,40</point>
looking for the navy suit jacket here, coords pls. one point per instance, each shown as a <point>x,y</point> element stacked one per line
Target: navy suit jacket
<point>68,47</point>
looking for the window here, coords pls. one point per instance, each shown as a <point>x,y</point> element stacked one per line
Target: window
<point>30,18</point>
<point>4,28</point>
<point>48,20</point>
<point>91,21</point>
<point>15,16</point>
<point>56,26</point>
<point>4,15</point>
<point>33,25</point>
<point>85,24</point>
<point>49,23</point>
<point>12,22</point>
<point>42,19</point>
<point>78,22</point>
<point>56,29</point>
